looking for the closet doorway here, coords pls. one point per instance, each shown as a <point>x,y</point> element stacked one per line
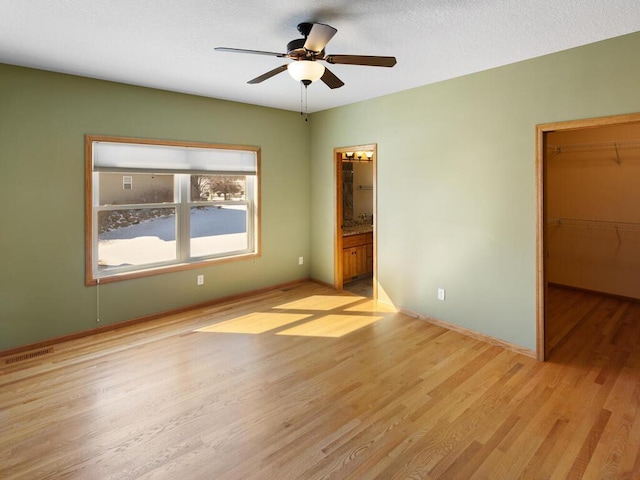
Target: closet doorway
<point>355,238</point>
<point>588,210</point>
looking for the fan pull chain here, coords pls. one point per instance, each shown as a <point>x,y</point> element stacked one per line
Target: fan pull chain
<point>304,102</point>
<point>301,104</point>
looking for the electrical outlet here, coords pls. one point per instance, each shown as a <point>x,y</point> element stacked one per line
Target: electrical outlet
<point>300,260</point>
<point>441,294</point>
<point>200,280</point>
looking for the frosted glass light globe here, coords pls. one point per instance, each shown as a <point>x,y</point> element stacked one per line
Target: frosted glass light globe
<point>306,70</point>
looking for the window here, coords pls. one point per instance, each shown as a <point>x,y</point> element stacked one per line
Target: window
<point>192,204</point>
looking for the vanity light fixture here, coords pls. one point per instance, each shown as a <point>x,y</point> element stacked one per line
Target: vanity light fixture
<point>366,156</point>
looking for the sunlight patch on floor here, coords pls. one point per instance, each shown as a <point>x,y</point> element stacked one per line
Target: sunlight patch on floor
<point>320,302</point>
<point>254,323</point>
<point>332,326</point>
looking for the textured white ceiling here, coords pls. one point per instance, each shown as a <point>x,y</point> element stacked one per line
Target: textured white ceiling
<point>169,44</point>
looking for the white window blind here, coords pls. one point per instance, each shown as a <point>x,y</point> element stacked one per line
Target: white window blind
<point>123,157</point>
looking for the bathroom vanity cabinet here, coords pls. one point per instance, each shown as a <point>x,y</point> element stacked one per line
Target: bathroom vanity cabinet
<point>357,252</point>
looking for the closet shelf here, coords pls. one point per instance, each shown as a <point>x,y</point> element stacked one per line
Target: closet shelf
<point>586,147</point>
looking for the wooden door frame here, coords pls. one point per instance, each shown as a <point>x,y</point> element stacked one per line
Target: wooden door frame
<point>541,248</point>
<point>337,248</point>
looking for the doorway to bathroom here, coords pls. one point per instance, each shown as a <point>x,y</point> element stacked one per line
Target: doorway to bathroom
<point>355,247</point>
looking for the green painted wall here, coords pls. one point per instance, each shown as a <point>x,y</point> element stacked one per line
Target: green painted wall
<point>456,189</point>
<point>456,183</point>
<point>43,119</point>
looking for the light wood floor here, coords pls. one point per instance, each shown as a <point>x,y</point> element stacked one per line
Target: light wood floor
<point>309,384</point>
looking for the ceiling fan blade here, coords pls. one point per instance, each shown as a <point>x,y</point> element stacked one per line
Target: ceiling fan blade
<point>255,52</point>
<point>371,61</point>
<point>268,75</point>
<point>331,80</point>
<point>318,37</point>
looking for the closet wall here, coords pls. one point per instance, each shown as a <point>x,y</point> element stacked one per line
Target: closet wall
<point>593,209</point>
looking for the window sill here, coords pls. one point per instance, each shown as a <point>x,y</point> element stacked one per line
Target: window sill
<point>118,277</point>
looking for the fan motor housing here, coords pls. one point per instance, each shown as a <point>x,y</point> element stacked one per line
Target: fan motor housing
<point>296,51</point>
<point>295,48</point>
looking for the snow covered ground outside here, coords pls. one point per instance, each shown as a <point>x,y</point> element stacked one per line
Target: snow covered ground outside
<point>213,230</point>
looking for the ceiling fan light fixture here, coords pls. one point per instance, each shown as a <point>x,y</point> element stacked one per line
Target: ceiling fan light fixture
<point>306,51</point>
<point>306,71</point>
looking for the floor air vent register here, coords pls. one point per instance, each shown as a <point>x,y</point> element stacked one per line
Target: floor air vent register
<point>27,356</point>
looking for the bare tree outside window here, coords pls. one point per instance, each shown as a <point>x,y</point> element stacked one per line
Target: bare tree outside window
<point>227,186</point>
<point>200,187</point>
<point>206,187</point>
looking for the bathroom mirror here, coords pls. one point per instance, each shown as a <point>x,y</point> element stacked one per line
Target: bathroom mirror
<point>357,192</point>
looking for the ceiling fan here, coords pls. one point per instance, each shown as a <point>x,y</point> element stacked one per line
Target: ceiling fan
<point>307,51</point>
